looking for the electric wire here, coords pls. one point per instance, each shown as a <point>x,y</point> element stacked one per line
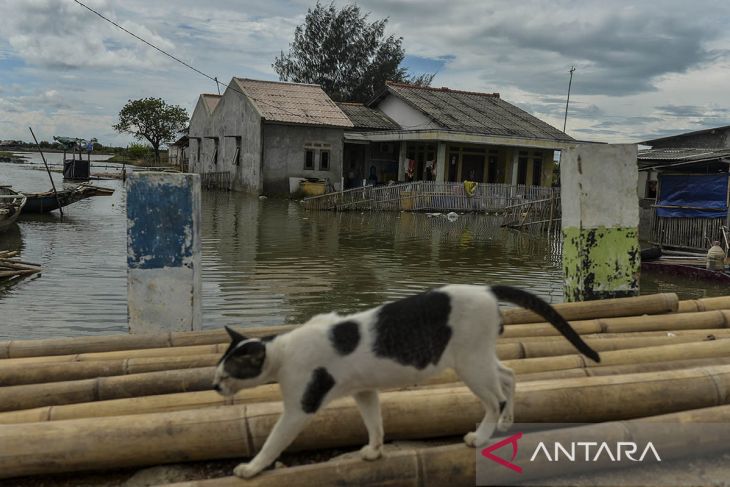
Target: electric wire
<point>189,66</point>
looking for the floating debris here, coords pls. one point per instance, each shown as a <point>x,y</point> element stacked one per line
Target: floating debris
<point>13,268</point>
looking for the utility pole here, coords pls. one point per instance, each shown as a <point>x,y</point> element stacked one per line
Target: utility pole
<point>565,122</point>
<point>217,85</point>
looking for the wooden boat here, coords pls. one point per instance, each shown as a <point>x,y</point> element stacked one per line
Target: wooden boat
<point>45,202</point>
<point>688,268</point>
<point>11,204</point>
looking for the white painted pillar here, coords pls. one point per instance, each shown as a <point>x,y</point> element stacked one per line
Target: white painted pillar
<point>600,221</point>
<point>441,162</point>
<point>163,252</point>
<point>402,161</point>
<point>515,165</point>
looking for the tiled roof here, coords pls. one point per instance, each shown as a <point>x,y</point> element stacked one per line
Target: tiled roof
<point>293,103</point>
<point>363,117</point>
<point>480,113</point>
<point>211,101</point>
<point>681,155</point>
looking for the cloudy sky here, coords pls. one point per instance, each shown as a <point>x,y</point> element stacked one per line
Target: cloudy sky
<point>643,68</point>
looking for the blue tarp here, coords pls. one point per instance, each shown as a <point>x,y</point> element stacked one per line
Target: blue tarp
<point>706,196</point>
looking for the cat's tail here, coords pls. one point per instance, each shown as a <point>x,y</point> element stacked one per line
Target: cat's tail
<point>538,305</point>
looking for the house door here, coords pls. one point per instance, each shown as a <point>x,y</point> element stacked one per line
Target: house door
<point>472,167</point>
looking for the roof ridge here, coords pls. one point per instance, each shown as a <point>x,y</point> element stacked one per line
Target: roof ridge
<point>277,82</point>
<point>443,89</point>
<point>210,94</point>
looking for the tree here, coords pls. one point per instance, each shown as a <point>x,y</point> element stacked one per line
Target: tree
<point>152,119</point>
<point>346,54</point>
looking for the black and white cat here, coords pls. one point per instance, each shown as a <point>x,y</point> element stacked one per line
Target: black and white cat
<point>397,344</point>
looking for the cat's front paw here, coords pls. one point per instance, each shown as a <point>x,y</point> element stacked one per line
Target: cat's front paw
<point>471,439</point>
<point>505,422</point>
<point>369,453</point>
<point>245,470</point>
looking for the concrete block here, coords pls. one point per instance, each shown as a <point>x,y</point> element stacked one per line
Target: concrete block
<point>600,218</point>
<point>163,252</point>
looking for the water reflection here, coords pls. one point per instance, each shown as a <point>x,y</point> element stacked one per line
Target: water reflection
<point>267,261</point>
<point>271,255</point>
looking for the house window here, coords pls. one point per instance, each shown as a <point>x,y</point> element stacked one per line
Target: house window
<point>237,157</point>
<point>522,168</point>
<point>492,168</point>
<point>309,159</point>
<point>198,143</point>
<point>215,151</point>
<point>324,160</point>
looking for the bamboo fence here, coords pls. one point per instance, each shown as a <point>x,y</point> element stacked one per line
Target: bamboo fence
<point>429,196</point>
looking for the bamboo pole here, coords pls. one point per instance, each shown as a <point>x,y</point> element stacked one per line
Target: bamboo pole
<point>270,392</point>
<point>45,372</point>
<point>29,396</point>
<point>13,373</point>
<point>649,304</point>
<point>704,304</point>
<point>239,431</point>
<point>679,351</point>
<point>652,304</point>
<point>686,321</point>
<point>119,355</point>
<point>669,322</point>
<point>456,464</point>
<point>54,393</point>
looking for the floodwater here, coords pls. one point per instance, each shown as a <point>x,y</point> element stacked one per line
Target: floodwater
<point>265,262</point>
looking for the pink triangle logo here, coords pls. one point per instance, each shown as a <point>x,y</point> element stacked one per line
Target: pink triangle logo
<point>512,440</point>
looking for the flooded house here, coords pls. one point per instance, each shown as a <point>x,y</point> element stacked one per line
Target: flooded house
<point>266,136</point>
<point>259,136</point>
<point>451,135</point>
<point>683,189</point>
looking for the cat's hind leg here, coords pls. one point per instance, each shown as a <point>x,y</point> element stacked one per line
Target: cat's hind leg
<point>485,384</point>
<point>369,405</point>
<point>507,381</point>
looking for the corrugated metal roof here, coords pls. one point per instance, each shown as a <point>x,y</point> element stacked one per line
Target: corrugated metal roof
<point>293,103</point>
<point>211,101</point>
<point>682,155</point>
<point>363,117</point>
<point>684,135</point>
<point>481,113</point>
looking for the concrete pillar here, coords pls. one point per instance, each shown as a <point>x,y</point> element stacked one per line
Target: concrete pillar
<point>163,252</point>
<point>441,162</point>
<point>515,165</point>
<point>600,221</point>
<point>402,161</point>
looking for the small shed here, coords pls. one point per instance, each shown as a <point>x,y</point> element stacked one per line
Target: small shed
<point>684,194</point>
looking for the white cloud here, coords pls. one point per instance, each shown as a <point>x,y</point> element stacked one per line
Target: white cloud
<point>637,62</point>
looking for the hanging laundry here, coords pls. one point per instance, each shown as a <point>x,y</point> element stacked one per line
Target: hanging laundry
<point>410,168</point>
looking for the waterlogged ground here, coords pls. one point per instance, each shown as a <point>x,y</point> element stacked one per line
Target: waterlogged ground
<point>265,262</point>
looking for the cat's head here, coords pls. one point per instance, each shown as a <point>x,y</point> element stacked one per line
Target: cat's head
<point>242,365</point>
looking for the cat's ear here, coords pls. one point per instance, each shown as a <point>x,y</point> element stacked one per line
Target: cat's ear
<point>235,336</point>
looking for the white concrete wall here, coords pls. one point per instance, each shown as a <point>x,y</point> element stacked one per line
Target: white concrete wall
<point>284,147</point>
<point>404,115</point>
<point>234,116</point>
<point>599,186</point>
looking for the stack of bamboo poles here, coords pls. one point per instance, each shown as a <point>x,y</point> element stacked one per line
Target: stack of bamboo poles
<point>94,403</point>
<point>12,268</point>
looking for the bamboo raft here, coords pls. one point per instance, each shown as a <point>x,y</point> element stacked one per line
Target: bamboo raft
<point>125,401</point>
<point>12,268</point>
